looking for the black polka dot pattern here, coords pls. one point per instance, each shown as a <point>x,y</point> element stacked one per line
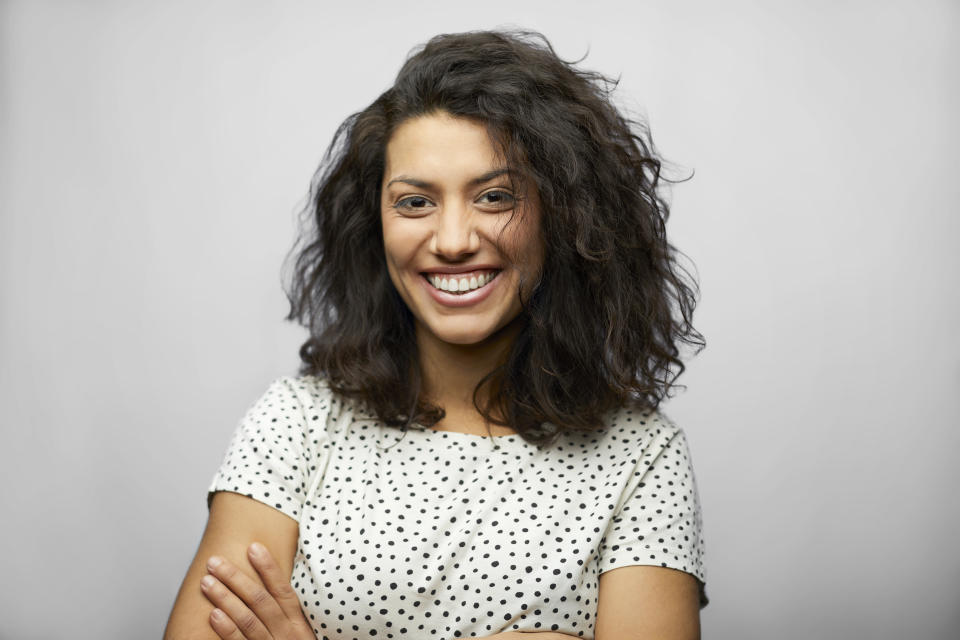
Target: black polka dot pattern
<point>434,534</point>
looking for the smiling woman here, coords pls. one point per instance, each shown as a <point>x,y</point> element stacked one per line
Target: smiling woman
<point>458,241</point>
<point>485,254</point>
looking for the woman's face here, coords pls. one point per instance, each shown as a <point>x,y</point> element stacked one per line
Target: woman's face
<point>458,240</point>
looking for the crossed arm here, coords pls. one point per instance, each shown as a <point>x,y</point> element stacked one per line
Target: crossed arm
<point>234,522</point>
<point>247,594</point>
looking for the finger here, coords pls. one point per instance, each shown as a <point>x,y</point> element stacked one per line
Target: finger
<point>275,580</point>
<point>224,627</point>
<point>248,624</point>
<point>254,596</point>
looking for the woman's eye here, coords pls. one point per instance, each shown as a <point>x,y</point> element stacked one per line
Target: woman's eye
<point>499,200</point>
<point>412,203</point>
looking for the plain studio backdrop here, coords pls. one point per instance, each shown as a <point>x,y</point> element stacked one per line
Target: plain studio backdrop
<point>154,156</point>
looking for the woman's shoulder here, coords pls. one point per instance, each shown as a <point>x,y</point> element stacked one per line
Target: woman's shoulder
<point>630,428</point>
<point>640,420</point>
<point>303,390</point>
<point>315,396</point>
<point>301,381</point>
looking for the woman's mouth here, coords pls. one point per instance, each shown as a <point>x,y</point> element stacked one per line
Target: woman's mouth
<point>460,283</point>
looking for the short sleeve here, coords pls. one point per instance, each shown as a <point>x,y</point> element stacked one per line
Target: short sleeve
<point>659,521</point>
<point>269,456</point>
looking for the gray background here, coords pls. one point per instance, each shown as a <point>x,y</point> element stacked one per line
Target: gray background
<point>153,156</point>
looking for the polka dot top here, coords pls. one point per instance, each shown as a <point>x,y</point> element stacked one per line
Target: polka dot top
<point>434,534</point>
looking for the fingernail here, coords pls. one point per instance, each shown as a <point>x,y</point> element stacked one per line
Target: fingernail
<point>214,562</point>
<point>207,581</point>
<point>216,613</point>
<point>257,549</point>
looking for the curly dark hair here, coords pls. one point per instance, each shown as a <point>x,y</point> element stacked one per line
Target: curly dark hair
<point>604,325</point>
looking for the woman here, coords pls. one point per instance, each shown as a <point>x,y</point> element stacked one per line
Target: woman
<point>473,447</point>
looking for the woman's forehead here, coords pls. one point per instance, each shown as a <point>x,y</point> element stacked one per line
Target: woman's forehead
<point>440,146</point>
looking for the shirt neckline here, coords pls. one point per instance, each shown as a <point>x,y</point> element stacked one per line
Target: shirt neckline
<point>509,442</point>
<point>485,436</point>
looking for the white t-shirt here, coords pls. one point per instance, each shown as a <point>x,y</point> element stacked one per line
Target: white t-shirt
<point>433,534</point>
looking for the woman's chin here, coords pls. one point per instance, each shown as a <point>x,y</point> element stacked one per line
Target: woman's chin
<point>463,338</point>
<point>472,333</point>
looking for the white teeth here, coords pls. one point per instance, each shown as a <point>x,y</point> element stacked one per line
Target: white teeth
<point>455,285</point>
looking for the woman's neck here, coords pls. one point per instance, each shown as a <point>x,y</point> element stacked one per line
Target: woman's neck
<point>451,372</point>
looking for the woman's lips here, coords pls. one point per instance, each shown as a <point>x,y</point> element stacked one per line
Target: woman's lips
<point>467,298</point>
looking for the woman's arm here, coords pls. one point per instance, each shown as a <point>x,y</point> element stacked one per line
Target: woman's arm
<point>235,522</point>
<point>639,601</point>
<point>275,612</point>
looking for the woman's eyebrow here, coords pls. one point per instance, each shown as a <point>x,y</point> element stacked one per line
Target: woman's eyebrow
<point>423,184</point>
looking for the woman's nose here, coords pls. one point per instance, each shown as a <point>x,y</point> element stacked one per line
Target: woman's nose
<point>455,235</point>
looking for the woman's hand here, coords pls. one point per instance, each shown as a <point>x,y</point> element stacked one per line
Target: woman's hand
<point>245,610</point>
